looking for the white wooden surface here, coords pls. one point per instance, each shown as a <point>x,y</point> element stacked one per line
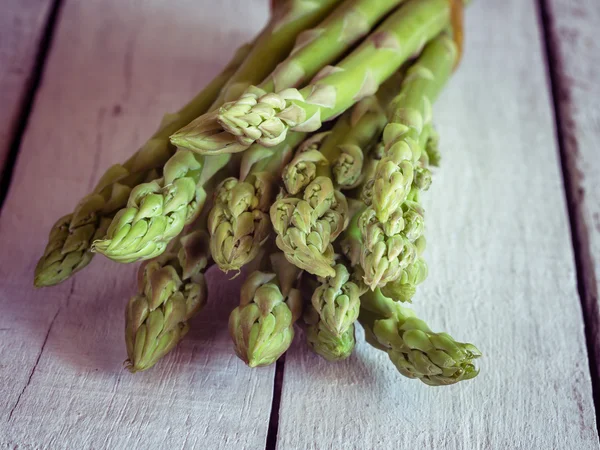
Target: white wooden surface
<point>21,27</point>
<point>501,276</point>
<point>114,68</point>
<point>502,273</point>
<point>575,28</point>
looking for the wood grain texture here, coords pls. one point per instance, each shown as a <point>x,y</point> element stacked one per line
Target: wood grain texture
<point>576,64</point>
<point>501,276</point>
<point>115,67</point>
<point>22,25</point>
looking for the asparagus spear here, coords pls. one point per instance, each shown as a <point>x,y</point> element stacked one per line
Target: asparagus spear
<point>239,223</point>
<point>303,168</point>
<point>158,211</point>
<point>337,301</point>
<point>388,241</point>
<point>323,342</point>
<point>172,290</point>
<point>331,315</point>
<point>338,153</point>
<point>434,358</point>
<point>68,248</point>
<point>264,117</point>
<point>366,122</point>
<point>324,44</point>
<point>262,327</point>
<point>288,22</point>
<point>410,113</point>
<point>307,226</point>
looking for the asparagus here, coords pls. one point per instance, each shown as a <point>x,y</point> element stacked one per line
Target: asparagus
<point>307,226</point>
<point>324,44</point>
<point>239,222</point>
<point>337,301</point>
<point>172,289</point>
<point>338,153</point>
<point>366,124</point>
<point>259,116</point>
<point>69,243</point>
<point>289,20</point>
<point>156,212</point>
<point>410,113</point>
<point>392,222</point>
<point>331,315</point>
<point>303,168</point>
<point>262,327</point>
<point>326,344</point>
<point>434,358</point>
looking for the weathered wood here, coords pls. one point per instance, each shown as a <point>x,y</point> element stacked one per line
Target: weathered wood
<point>575,59</point>
<point>114,68</point>
<point>501,276</point>
<point>22,25</point>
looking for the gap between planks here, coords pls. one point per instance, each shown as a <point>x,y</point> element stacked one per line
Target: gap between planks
<point>271,443</point>
<point>568,151</point>
<point>28,99</point>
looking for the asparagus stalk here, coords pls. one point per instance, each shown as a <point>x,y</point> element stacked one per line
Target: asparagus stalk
<point>306,226</point>
<point>303,168</point>
<point>392,222</point>
<point>326,344</point>
<point>239,223</point>
<point>330,317</point>
<point>71,237</point>
<point>340,152</point>
<point>172,290</point>
<point>157,212</point>
<point>290,19</point>
<point>327,42</point>
<point>366,124</point>
<point>434,358</point>
<point>264,117</point>
<point>337,301</point>
<point>410,113</point>
<point>262,327</point>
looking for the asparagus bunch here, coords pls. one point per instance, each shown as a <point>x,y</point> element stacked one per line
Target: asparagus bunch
<point>319,129</point>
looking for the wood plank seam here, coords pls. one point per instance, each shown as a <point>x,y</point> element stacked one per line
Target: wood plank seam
<point>37,361</point>
<point>568,149</point>
<point>271,443</point>
<point>28,100</point>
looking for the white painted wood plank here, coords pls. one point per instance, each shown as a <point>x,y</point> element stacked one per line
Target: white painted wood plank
<point>501,276</point>
<point>22,24</point>
<point>114,68</point>
<point>574,27</point>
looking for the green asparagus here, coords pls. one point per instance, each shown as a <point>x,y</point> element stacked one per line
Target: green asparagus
<point>172,290</point>
<point>68,249</point>
<point>157,211</point>
<point>259,116</point>
<point>262,327</point>
<point>239,222</point>
<point>417,352</point>
<point>307,226</point>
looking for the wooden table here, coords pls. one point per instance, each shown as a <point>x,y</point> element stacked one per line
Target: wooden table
<point>513,244</point>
